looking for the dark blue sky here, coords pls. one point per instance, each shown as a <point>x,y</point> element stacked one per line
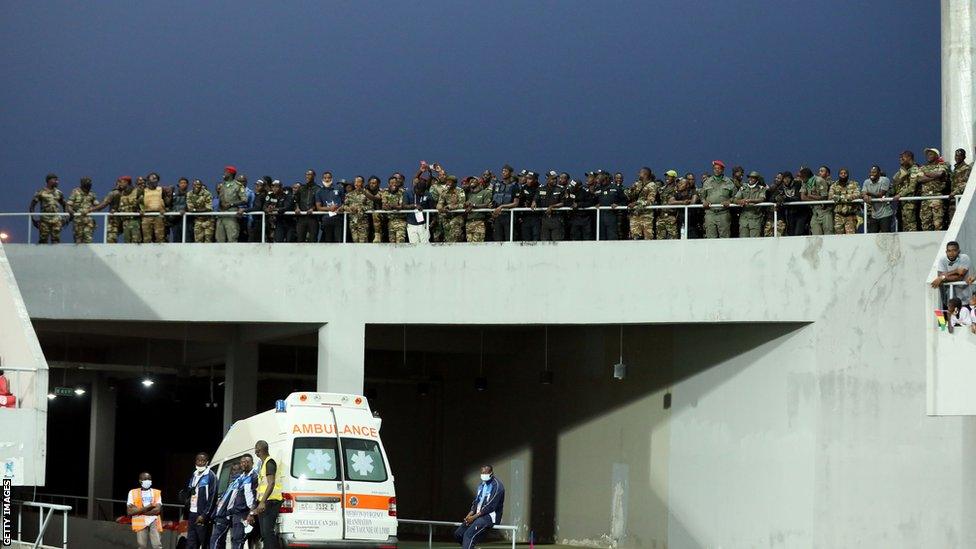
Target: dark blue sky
<point>111,88</point>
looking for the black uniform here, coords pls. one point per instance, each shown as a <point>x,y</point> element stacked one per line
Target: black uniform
<point>580,220</point>
<point>609,195</point>
<point>531,221</point>
<point>552,224</point>
<point>285,224</point>
<point>502,192</point>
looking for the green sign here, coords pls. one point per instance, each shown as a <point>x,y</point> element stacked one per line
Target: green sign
<point>64,391</point>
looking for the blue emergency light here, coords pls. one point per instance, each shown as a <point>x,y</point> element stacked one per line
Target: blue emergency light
<point>279,406</point>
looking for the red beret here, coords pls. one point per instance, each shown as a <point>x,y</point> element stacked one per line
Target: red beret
<point>718,163</point>
<point>126,178</point>
<point>230,169</point>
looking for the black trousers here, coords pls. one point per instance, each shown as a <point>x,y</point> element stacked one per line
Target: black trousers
<point>197,535</point>
<point>267,520</point>
<point>798,224</point>
<point>608,226</point>
<point>500,227</point>
<point>880,225</point>
<point>306,228</point>
<point>331,229</point>
<point>581,227</point>
<point>284,230</point>
<point>552,228</point>
<point>531,229</point>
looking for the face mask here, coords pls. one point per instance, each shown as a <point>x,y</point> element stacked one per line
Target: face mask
<point>146,484</point>
<point>485,478</point>
<point>201,469</point>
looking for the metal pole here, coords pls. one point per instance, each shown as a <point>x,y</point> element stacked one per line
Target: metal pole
<point>684,233</point>
<point>430,536</point>
<point>597,223</point>
<point>775,221</point>
<point>865,204</point>
<point>511,226</point>
<point>41,526</point>
<point>345,220</point>
<point>264,228</point>
<point>64,532</point>
<point>183,227</point>
<point>106,218</point>
<point>20,520</point>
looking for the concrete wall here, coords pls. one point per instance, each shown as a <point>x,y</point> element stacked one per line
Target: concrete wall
<point>804,427</point>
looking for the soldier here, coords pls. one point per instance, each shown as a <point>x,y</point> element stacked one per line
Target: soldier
<point>844,192</point>
<point>775,194</point>
<point>960,175</point>
<point>437,186</point>
<point>261,189</point>
<point>113,224</point>
<point>503,197</point>
<point>479,196</point>
<point>666,225</point>
<point>328,200</point>
<point>393,199</point>
<point>178,205</point>
<point>49,199</point>
<point>906,186</point>
<point>550,197</point>
<point>356,204</point>
<point>531,223</point>
<point>717,189</point>
<point>416,201</point>
<point>580,198</point>
<point>81,201</point>
<point>153,225</point>
<point>129,205</point>
<point>642,195</point>
<point>818,188</point>
<point>748,195</point>
<point>231,197</point>
<point>200,200</point>
<point>373,193</point>
<point>609,194</point>
<point>274,200</point>
<point>452,198</point>
<point>932,176</point>
<point>306,224</point>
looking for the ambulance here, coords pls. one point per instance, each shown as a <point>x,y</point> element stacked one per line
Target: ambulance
<point>336,482</point>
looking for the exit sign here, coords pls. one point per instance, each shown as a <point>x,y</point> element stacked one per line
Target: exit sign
<point>64,391</point>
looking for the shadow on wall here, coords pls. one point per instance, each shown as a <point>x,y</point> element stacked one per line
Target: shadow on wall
<point>581,445</point>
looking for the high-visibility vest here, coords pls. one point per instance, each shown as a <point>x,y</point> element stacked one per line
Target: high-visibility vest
<point>139,521</point>
<point>263,481</point>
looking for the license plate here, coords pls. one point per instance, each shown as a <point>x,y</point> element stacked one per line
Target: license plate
<point>316,506</point>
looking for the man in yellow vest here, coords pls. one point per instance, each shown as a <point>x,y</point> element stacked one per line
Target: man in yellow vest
<point>269,495</point>
<point>153,203</point>
<point>145,506</point>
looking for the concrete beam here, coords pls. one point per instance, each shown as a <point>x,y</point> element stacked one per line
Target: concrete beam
<point>342,357</point>
<point>240,380</point>
<point>958,19</point>
<point>101,448</point>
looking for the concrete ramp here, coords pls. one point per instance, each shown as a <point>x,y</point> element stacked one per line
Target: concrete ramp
<point>23,428</point>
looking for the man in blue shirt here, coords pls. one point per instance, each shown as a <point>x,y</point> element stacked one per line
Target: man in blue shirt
<point>419,198</point>
<point>202,492</point>
<point>328,199</point>
<point>486,510</point>
<point>503,197</point>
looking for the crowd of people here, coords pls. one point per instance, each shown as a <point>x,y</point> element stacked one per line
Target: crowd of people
<point>440,207</point>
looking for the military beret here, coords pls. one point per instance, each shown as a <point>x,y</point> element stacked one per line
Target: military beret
<point>754,174</point>
<point>452,178</point>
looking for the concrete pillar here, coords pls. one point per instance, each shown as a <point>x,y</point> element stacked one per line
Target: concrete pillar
<point>958,45</point>
<point>342,357</point>
<point>101,447</point>
<point>240,380</point>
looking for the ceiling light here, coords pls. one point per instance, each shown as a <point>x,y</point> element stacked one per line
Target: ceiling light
<point>51,396</point>
<point>147,382</point>
<point>79,391</point>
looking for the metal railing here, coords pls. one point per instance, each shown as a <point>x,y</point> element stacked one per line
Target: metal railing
<point>431,524</point>
<point>44,513</point>
<point>951,287</point>
<point>429,212</point>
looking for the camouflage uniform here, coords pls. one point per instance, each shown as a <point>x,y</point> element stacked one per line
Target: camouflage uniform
<point>436,225</point>
<point>475,225</point>
<point>203,225</point>
<point>452,199</point>
<point>666,226</point>
<point>906,186</point>
<point>356,204</point>
<point>49,226</point>
<point>751,218</point>
<point>822,221</point>
<point>960,175</point>
<point>232,197</point>
<point>716,190</point>
<point>643,194</point>
<point>129,203</point>
<point>81,203</point>
<point>396,223</point>
<point>113,224</point>
<point>930,212</point>
<point>845,212</point>
<point>153,226</point>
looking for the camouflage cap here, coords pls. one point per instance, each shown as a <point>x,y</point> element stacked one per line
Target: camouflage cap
<point>452,178</point>
<point>754,174</point>
<point>933,149</point>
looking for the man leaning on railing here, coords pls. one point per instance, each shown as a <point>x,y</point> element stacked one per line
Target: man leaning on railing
<point>954,267</point>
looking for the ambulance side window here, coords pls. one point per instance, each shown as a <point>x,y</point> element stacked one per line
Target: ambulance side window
<point>224,479</point>
<point>315,458</point>
<point>363,460</point>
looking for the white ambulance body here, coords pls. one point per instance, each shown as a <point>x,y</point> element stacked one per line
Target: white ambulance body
<point>336,483</point>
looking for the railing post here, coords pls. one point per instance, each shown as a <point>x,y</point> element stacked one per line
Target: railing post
<point>345,220</point>
<point>865,204</point>
<point>775,220</point>
<point>684,233</point>
<point>511,226</point>
<point>598,223</point>
<point>430,536</point>
<point>264,228</point>
<point>64,531</point>
<point>183,222</point>
<point>107,219</point>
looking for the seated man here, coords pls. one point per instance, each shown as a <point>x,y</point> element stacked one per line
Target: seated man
<point>957,315</point>
<point>7,400</point>
<point>954,267</point>
<point>486,510</point>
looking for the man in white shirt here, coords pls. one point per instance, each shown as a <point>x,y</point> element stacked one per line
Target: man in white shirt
<point>145,506</point>
<point>954,267</point>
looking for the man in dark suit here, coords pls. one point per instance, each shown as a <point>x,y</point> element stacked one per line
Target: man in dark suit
<point>485,512</point>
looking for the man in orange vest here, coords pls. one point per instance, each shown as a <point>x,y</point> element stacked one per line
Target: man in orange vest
<point>145,506</point>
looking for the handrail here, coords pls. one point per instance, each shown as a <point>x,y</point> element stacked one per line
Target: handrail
<point>44,513</point>
<point>775,206</point>
<point>443,523</point>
